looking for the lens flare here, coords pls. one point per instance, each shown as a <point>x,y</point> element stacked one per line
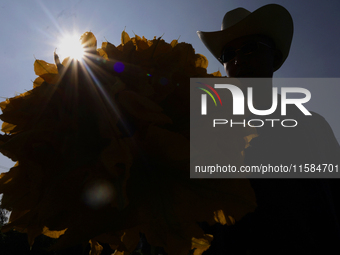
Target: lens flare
<point>119,67</point>
<point>70,46</point>
<point>100,193</point>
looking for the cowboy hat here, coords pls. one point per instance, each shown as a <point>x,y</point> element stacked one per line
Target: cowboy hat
<point>271,20</point>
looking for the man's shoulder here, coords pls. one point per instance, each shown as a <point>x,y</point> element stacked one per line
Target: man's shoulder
<point>315,122</point>
<point>321,135</point>
<point>316,117</point>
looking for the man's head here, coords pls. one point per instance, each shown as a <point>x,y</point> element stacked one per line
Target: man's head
<point>250,56</point>
<point>250,44</point>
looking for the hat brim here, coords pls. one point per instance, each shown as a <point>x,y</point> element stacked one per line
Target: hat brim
<point>270,20</point>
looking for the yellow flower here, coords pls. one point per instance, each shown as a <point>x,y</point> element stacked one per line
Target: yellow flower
<point>103,150</point>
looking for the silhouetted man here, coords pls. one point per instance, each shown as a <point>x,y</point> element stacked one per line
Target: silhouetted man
<point>294,216</point>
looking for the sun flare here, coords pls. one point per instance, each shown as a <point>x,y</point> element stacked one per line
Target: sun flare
<point>70,46</point>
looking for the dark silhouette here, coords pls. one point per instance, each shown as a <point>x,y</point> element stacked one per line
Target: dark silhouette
<point>294,216</point>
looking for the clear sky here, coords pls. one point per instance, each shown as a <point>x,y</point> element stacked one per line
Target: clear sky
<point>33,29</point>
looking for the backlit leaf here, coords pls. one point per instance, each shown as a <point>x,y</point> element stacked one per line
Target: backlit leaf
<point>201,244</point>
<point>125,38</point>
<point>174,43</point>
<point>88,40</point>
<point>41,67</point>
<point>53,234</point>
<point>201,61</point>
<point>37,82</point>
<point>102,53</point>
<point>7,127</point>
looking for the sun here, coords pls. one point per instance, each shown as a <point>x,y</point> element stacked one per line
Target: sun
<point>70,46</point>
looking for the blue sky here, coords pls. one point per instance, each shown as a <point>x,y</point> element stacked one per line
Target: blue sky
<point>33,28</point>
